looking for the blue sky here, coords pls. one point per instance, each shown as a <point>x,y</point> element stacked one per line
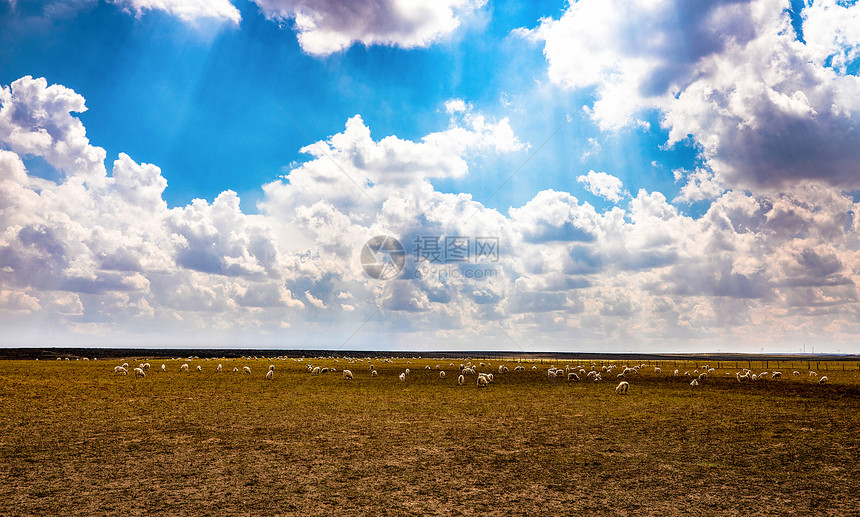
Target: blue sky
<point>659,177</point>
<point>221,107</point>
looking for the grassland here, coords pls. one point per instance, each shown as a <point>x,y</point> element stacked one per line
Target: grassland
<point>77,440</point>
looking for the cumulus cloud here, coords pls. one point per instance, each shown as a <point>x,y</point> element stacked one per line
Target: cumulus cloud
<point>330,26</point>
<point>601,184</point>
<point>107,252</point>
<point>765,108</point>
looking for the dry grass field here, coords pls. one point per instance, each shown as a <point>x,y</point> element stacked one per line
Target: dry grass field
<point>77,440</point>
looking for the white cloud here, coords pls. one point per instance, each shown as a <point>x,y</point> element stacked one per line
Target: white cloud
<point>36,120</point>
<point>765,109</point>
<point>604,185</point>
<point>326,27</point>
<point>88,256</point>
<point>187,10</point>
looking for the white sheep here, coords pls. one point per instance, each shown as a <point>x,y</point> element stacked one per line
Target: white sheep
<point>813,374</point>
<point>572,376</point>
<point>120,370</point>
<point>247,370</point>
<point>146,367</point>
<point>271,367</point>
<point>124,365</point>
<point>676,373</point>
<point>483,381</point>
<point>694,383</point>
<point>163,367</point>
<point>776,375</point>
<point>184,367</point>
<point>823,380</point>
<point>442,374</point>
<point>315,370</point>
<point>270,374</point>
<point>138,372</point>
<point>402,377</point>
<point>407,371</point>
<point>795,373</point>
<point>235,370</point>
<point>347,375</point>
<point>622,388</point>
<point>199,368</point>
<point>461,380</point>
<point>219,368</point>
<point>373,373</point>
<point>657,370</point>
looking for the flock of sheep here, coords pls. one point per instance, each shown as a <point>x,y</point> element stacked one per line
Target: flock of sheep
<point>484,378</point>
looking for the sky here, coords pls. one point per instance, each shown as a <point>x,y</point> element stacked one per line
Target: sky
<point>595,176</point>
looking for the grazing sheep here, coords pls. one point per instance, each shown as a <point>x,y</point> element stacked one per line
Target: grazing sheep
<point>461,380</point>
<point>199,368</point>
<point>124,365</point>
<point>694,383</point>
<point>483,381</point>
<point>572,376</point>
<point>657,370</point>
<point>373,373</point>
<point>622,388</point>
<point>442,374</point>
<point>270,374</point>
<point>347,375</point>
<point>271,367</point>
<point>315,370</point>
<point>813,374</point>
<point>219,368</point>
<point>235,370</point>
<point>120,370</point>
<point>184,367</point>
<point>146,366</point>
<point>427,367</point>
<point>163,367</point>
<point>407,370</point>
<point>796,373</point>
<point>776,375</point>
<point>324,369</point>
<point>676,373</point>
<point>247,370</point>
<point>402,377</point>
<point>138,372</point>
<point>823,380</point>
